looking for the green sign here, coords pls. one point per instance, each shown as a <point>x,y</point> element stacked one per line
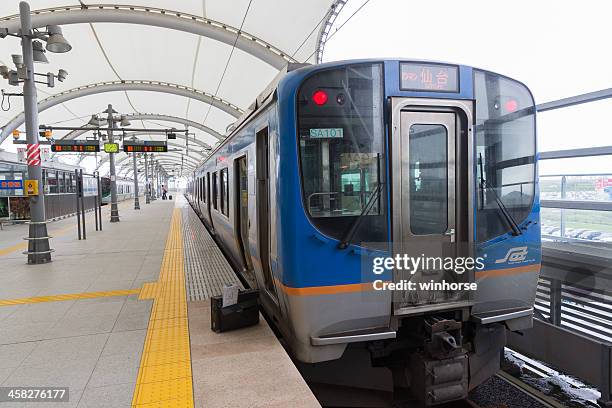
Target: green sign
<point>329,133</point>
<point>111,147</point>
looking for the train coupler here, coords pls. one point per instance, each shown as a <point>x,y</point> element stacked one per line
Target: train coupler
<point>439,372</point>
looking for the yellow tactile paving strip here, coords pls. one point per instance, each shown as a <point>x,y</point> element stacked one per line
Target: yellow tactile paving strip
<point>68,296</point>
<point>164,378</point>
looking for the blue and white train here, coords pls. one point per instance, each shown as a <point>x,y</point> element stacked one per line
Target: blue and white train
<point>339,165</point>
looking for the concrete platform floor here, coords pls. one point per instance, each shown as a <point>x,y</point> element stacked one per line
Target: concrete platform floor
<point>91,345</point>
<point>113,349</point>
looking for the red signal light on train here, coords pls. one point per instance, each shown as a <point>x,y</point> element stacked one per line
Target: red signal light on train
<point>320,97</point>
<point>511,105</point>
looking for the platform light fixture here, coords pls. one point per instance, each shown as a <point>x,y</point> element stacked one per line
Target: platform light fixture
<point>56,42</point>
<point>125,121</point>
<point>38,52</point>
<point>62,74</point>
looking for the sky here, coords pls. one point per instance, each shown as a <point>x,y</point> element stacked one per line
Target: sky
<point>557,48</point>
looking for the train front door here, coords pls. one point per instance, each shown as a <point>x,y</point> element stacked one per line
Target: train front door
<point>425,205</point>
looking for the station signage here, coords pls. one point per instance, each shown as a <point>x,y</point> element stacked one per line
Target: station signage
<point>146,146</point>
<point>429,77</point>
<point>82,146</point>
<point>11,184</point>
<point>111,147</point>
<point>31,187</point>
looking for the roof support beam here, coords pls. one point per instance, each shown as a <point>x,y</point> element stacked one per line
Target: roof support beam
<point>166,118</point>
<point>170,155</point>
<point>151,16</point>
<point>102,87</point>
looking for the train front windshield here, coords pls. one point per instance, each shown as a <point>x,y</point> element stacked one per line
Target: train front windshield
<point>341,139</point>
<point>505,153</point>
<point>342,155</point>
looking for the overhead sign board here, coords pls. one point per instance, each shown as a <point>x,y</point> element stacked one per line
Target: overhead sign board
<point>111,147</point>
<point>11,184</point>
<point>84,146</point>
<point>429,77</point>
<point>147,146</point>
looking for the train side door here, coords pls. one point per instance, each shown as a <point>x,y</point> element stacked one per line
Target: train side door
<point>209,200</point>
<point>424,192</point>
<point>242,210</point>
<point>263,206</point>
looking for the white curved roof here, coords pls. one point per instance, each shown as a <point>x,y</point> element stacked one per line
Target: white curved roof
<point>219,50</point>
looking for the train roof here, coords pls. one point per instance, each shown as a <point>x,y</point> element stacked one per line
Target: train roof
<point>13,158</point>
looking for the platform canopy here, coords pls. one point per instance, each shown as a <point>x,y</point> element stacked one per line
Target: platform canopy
<point>194,63</point>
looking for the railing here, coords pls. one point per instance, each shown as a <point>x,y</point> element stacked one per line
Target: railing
<point>573,326</point>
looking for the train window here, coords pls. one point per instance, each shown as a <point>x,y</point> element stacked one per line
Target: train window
<point>341,143</point>
<point>51,181</point>
<point>61,184</point>
<point>428,161</point>
<point>70,183</point>
<point>224,192</point>
<point>214,190</point>
<point>201,186</point>
<point>204,190</point>
<point>505,152</point>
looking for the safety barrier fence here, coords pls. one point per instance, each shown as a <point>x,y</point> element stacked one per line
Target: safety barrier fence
<point>573,326</point>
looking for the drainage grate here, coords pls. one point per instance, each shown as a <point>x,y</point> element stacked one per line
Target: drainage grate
<point>206,268</point>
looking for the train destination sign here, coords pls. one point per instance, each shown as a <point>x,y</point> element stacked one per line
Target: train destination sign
<point>146,146</point>
<point>429,77</point>
<point>83,146</point>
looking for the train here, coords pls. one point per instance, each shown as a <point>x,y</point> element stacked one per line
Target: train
<point>125,189</point>
<point>342,175</point>
<point>59,186</point>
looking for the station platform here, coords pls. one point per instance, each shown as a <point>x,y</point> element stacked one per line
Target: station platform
<point>123,319</point>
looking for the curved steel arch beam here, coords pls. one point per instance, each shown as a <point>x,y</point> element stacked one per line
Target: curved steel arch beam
<point>157,155</point>
<point>166,118</point>
<point>112,86</point>
<point>328,22</point>
<point>151,16</point>
<point>128,168</point>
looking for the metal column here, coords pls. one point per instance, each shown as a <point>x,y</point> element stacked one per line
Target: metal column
<point>147,187</point>
<point>113,175</point>
<point>38,240</point>
<point>136,202</point>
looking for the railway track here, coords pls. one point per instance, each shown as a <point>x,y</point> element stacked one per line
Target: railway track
<point>525,396</point>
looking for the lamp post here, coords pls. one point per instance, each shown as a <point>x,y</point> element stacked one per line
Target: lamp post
<point>153,188</point>
<point>39,251</point>
<point>147,190</point>
<point>113,175</point>
<point>136,201</point>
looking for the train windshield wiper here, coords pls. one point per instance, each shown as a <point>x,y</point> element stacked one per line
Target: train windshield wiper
<point>516,230</point>
<point>350,232</point>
